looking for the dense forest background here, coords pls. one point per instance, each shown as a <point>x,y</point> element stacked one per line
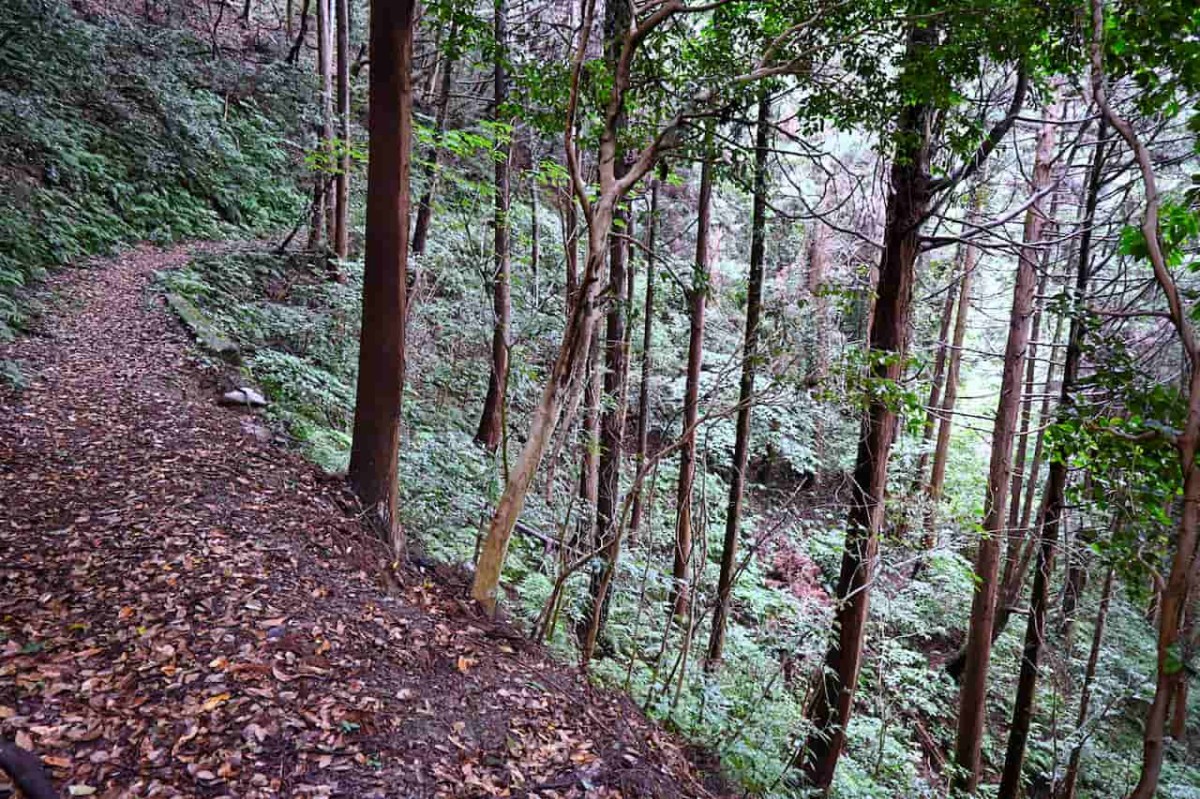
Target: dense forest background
<point>877,320</point>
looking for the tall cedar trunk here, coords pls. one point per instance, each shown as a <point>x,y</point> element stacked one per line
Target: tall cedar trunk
<point>907,203</point>
<point>491,423</point>
<point>643,420</point>
<point>968,254</point>
<point>741,447</point>
<point>937,381</point>
<point>288,12</point>
<point>818,259</point>
<point>535,245</point>
<point>612,421</point>
<point>972,705</point>
<point>433,170</point>
<point>697,297</point>
<point>1016,536</point>
<point>375,447</point>
<point>325,71</point>
<point>1013,581</point>
<point>612,435</point>
<point>1039,447</point>
<point>341,228</point>
<point>1085,695</point>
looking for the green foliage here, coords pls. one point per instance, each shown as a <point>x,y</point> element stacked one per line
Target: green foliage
<point>112,134</point>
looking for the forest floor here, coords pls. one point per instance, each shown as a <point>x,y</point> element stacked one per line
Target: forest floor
<point>188,608</point>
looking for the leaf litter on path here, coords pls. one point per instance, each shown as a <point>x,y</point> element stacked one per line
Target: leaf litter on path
<point>186,610</point>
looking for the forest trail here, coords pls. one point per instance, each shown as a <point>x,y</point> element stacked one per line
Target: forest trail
<point>187,609</point>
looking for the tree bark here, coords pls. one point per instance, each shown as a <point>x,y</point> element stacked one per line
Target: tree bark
<point>968,254</point>
<point>643,420</point>
<point>1085,695</point>
<point>973,697</point>
<point>1016,535</point>
<point>434,170</point>
<point>937,381</point>
<point>341,229</point>
<point>697,297</point>
<point>375,446</point>
<point>907,203</point>
<point>491,423</point>
<point>325,71</point>
<point>589,462</point>
<point>819,358</point>
<point>535,245</point>
<point>741,447</point>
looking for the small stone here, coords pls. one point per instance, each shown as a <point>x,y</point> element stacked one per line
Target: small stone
<point>244,396</point>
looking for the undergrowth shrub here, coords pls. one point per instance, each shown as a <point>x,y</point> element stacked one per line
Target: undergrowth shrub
<point>114,132</point>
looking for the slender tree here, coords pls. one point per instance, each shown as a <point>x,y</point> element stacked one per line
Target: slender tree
<point>375,445</point>
<point>491,423</point>
<point>741,447</point>
<point>341,229</point>
<point>937,379</point>
<point>617,19</point>
<point>598,210</point>
<point>320,226</point>
<point>1071,779</point>
<point>643,419</point>
<point>433,170</point>
<point>972,706</point>
<point>1018,735</point>
<point>968,256</point>
<point>697,298</point>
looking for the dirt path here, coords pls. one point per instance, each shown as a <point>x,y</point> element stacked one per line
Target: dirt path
<point>181,613</point>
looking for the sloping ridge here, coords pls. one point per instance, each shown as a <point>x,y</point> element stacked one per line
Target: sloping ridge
<point>189,611</point>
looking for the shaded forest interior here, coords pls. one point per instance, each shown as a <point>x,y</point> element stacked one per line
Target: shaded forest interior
<point>821,377</point>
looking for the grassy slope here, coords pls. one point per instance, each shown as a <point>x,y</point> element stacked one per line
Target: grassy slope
<point>113,131</point>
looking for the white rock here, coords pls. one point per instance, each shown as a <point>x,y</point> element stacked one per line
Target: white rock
<point>244,396</point>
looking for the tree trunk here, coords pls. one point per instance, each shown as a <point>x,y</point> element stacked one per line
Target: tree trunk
<point>1054,496</point>
<point>570,223</point>
<point>1016,535</point>
<point>491,423</point>
<point>612,437</point>
<point>937,381</point>
<point>643,421</point>
<point>375,446</point>
<point>434,169</point>
<point>341,228</point>
<point>968,254</point>
<point>741,447</point>
<point>908,201</point>
<point>697,297</point>
<point>1085,695</point>
<point>535,245</point>
<point>289,12</point>
<point>325,72</point>
<point>1020,555</point>
<point>545,416</point>
<point>819,358</point>
<point>973,698</point>
<point>589,463</point>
